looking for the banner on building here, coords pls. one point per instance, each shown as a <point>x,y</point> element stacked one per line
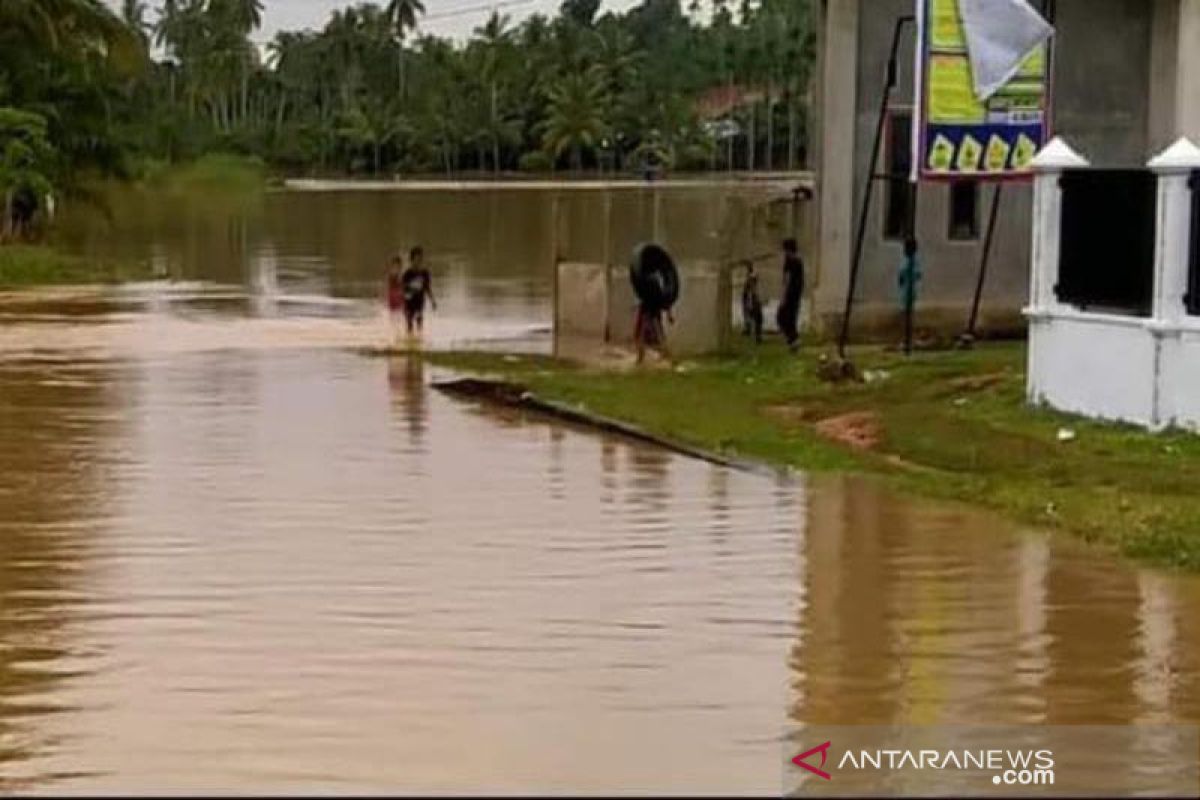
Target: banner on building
<point>982,89</point>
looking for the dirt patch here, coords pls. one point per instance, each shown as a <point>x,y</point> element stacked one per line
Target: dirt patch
<point>978,383</point>
<point>860,430</point>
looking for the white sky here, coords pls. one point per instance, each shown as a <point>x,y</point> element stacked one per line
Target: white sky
<point>298,14</point>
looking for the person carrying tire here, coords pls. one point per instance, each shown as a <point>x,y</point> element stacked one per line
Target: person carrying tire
<point>656,285</point>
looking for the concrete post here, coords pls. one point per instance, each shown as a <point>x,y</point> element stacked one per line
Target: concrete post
<point>1174,167</point>
<point>608,193</point>
<point>1048,166</point>
<point>1187,74</point>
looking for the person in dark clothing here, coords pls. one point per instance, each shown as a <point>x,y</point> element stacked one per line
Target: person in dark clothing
<point>417,283</point>
<point>788,315</point>
<point>752,306</point>
<point>648,329</point>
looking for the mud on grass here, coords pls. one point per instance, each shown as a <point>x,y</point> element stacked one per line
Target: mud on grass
<point>950,425</point>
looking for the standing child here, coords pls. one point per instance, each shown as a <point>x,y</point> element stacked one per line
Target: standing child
<point>394,289</point>
<point>418,284</point>
<point>752,306</point>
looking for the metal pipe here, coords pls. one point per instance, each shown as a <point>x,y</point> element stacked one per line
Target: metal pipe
<point>856,261</point>
<point>984,259</point>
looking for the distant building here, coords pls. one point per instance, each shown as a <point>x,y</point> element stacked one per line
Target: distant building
<point>1126,83</point>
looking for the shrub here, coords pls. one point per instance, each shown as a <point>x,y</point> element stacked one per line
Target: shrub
<point>535,161</point>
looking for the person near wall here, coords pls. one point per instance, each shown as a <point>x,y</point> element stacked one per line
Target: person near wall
<point>788,315</point>
<point>648,329</point>
<point>752,305</point>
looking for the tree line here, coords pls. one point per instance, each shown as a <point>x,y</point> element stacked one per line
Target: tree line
<point>713,85</point>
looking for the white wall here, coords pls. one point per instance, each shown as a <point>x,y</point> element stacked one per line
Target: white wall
<point>1180,387</point>
<point>1144,370</point>
<point>1095,365</point>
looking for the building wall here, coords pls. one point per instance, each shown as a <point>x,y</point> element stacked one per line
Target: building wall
<point>1102,86</point>
<point>1187,74</point>
<point>1105,103</point>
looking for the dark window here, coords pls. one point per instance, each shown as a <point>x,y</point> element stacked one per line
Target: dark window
<point>897,207</point>
<point>1106,261</point>
<point>1192,299</point>
<point>964,210</point>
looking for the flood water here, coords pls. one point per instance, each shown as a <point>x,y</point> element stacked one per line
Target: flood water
<point>238,554</point>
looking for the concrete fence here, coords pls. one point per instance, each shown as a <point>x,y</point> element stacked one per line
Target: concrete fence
<point>1140,366</point>
<point>595,308</point>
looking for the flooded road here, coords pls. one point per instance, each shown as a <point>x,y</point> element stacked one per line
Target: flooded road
<point>237,554</point>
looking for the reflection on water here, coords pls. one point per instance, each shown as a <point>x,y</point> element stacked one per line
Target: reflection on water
<point>302,569</point>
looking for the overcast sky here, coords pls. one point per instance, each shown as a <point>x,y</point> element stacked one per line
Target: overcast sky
<point>297,14</point>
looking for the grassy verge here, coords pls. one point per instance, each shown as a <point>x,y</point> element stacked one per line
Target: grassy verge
<point>37,265</point>
<point>948,425</point>
<point>215,173</point>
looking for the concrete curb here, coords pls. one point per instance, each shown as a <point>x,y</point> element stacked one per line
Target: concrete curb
<point>513,395</point>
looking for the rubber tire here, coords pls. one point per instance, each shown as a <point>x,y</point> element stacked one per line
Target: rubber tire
<point>654,277</point>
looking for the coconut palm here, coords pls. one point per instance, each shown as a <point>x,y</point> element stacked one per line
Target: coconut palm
<point>402,15</point>
<point>575,120</point>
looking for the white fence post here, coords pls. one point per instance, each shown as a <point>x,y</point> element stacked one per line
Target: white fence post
<point>1049,165</point>
<point>1174,167</point>
<point>1175,372</point>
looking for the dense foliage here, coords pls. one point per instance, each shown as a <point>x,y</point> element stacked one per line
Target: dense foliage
<point>712,86</point>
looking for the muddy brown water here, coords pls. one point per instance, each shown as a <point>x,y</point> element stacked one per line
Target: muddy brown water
<point>237,554</point>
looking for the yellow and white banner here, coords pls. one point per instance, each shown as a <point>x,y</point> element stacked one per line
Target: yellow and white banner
<point>982,88</point>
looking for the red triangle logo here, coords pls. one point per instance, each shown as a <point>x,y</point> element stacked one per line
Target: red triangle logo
<point>802,760</point>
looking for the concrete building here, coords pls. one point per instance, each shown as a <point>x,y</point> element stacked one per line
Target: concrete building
<point>1126,83</point>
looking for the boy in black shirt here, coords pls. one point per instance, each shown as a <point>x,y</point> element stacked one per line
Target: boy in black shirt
<point>788,315</point>
<point>418,284</point>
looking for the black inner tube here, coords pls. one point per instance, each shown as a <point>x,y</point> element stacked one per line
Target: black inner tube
<point>654,277</point>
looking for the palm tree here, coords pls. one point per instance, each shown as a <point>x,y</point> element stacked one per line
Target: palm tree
<point>246,15</point>
<point>494,36</point>
<point>402,15</point>
<point>133,13</point>
<point>575,118</point>
<point>82,26</point>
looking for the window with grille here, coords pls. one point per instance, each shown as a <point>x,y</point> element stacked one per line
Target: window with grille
<point>1106,261</point>
<point>964,211</point>
<point>897,202</point>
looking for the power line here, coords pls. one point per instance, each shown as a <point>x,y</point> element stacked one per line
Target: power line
<point>459,12</point>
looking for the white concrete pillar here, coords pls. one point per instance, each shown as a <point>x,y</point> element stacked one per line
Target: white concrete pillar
<point>1049,165</point>
<point>1174,167</point>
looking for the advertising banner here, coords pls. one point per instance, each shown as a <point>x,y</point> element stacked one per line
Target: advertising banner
<point>983,89</point>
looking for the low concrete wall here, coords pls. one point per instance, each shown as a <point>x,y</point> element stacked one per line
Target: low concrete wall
<point>1098,365</point>
<point>595,307</point>
<point>1122,369</point>
<point>1180,388</point>
<point>1144,370</point>
<point>581,300</point>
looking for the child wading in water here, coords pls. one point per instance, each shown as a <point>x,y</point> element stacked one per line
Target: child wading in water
<point>407,290</point>
<point>394,291</point>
